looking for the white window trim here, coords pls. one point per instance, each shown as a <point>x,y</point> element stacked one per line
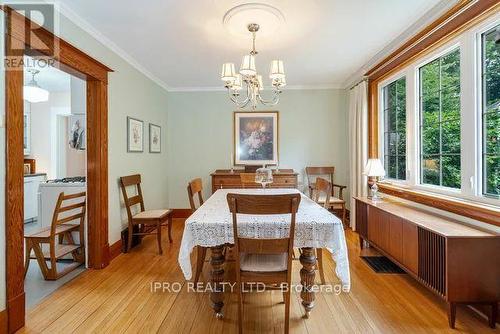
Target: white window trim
<point>469,43</point>
<point>381,122</point>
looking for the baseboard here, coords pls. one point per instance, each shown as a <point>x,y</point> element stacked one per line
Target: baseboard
<point>3,321</point>
<point>181,213</point>
<point>115,249</point>
<point>16,311</point>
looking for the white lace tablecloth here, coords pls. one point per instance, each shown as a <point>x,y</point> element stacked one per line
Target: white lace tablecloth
<point>211,225</point>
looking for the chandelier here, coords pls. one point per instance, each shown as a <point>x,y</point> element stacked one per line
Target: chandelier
<point>32,91</point>
<point>249,77</point>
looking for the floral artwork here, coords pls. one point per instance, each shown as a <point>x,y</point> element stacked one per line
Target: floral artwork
<point>256,138</point>
<point>154,138</point>
<point>135,135</point>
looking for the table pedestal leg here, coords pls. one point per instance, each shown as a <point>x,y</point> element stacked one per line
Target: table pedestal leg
<point>307,274</point>
<point>217,276</point>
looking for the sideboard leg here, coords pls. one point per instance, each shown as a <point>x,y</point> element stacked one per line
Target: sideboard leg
<point>493,314</point>
<point>452,312</point>
<point>217,276</point>
<point>307,275</point>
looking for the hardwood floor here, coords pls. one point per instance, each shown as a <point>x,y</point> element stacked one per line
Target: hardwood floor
<point>118,299</point>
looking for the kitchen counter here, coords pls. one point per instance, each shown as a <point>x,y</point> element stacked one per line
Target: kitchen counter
<point>35,174</point>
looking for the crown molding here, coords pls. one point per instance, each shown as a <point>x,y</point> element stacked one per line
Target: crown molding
<point>430,16</point>
<point>222,89</point>
<point>89,29</point>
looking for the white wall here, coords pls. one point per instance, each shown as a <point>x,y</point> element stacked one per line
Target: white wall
<point>44,131</point>
<point>312,132</point>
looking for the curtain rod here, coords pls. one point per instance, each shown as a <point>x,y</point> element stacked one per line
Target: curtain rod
<point>364,79</point>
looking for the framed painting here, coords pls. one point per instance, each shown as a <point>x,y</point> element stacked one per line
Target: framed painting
<point>135,135</point>
<point>154,138</point>
<point>256,138</point>
<point>77,126</point>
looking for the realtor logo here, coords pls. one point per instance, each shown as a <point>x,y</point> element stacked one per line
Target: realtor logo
<point>30,38</point>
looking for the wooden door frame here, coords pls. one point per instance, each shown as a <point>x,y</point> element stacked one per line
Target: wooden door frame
<point>73,61</point>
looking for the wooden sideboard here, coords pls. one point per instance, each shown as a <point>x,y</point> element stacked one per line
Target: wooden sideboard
<point>459,263</point>
<point>224,178</point>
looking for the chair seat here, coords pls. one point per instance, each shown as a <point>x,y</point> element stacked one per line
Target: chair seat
<point>152,214</point>
<point>333,200</point>
<point>263,262</point>
<point>45,232</point>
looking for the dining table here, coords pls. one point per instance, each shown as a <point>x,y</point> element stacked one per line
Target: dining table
<point>211,226</point>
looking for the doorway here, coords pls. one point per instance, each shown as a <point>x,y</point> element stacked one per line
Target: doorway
<point>54,164</point>
<point>68,59</point>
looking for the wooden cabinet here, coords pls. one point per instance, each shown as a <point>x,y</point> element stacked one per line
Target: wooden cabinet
<point>224,179</point>
<point>457,262</point>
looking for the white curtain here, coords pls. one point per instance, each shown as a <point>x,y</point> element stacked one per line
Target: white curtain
<point>358,144</point>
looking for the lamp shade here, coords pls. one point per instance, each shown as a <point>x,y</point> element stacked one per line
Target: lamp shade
<point>228,74</point>
<point>35,94</point>
<point>248,65</point>
<point>277,70</point>
<point>374,168</point>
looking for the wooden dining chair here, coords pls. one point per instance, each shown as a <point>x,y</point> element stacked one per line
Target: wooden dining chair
<point>263,260</point>
<point>148,222</point>
<point>195,189</point>
<point>68,217</point>
<point>247,180</point>
<point>336,200</point>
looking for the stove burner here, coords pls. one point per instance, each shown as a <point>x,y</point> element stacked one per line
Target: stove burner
<point>69,180</point>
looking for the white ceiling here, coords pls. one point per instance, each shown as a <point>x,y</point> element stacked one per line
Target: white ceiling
<point>49,77</point>
<point>183,43</point>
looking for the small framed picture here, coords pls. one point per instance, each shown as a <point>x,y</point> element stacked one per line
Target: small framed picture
<point>154,138</point>
<point>135,135</point>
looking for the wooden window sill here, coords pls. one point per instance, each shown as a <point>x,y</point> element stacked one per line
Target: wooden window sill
<point>479,211</point>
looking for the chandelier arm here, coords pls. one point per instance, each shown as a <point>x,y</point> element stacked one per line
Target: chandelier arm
<point>239,104</point>
<point>274,101</point>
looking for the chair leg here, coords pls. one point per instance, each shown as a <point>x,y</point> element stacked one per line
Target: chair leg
<point>158,237</point>
<point>319,256</point>
<point>130,232</point>
<point>287,311</point>
<point>200,260</point>
<point>343,214</point>
<point>169,227</point>
<point>28,255</point>
<point>240,309</point>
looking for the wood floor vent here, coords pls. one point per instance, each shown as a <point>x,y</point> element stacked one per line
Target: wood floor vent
<point>432,260</point>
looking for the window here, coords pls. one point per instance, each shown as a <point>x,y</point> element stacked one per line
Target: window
<point>395,129</point>
<point>440,121</point>
<point>491,111</point>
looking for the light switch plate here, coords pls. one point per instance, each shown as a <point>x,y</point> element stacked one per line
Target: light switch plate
<point>2,121</point>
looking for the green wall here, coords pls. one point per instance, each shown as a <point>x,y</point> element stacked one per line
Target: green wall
<point>312,131</point>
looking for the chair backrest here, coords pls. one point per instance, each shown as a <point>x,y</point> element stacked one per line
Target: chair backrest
<point>71,207</point>
<point>195,187</point>
<point>127,181</point>
<point>247,179</point>
<point>319,171</point>
<point>322,187</point>
<point>263,205</point>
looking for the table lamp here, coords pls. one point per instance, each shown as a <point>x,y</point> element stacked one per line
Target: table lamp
<point>374,168</point>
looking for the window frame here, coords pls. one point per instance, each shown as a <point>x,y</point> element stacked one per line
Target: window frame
<point>381,122</point>
<point>470,44</point>
<point>482,29</point>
